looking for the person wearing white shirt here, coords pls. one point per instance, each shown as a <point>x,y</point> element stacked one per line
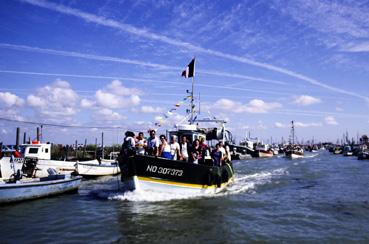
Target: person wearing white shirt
<point>141,144</point>
<point>174,148</point>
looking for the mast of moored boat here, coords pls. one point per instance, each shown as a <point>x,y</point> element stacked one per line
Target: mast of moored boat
<point>293,132</point>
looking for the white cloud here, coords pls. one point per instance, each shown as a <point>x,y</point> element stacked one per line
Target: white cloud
<point>108,115</point>
<point>115,95</point>
<point>86,103</point>
<point>318,9</point>
<point>10,100</point>
<point>279,125</point>
<point>57,100</point>
<point>253,106</point>
<point>305,125</point>
<point>150,109</point>
<point>330,120</point>
<point>306,100</point>
<point>119,89</point>
<point>298,124</point>
<point>339,109</point>
<point>361,47</point>
<point>35,101</point>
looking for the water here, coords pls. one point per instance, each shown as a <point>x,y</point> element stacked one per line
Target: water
<point>322,198</point>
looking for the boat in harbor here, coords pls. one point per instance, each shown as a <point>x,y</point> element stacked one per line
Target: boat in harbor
<point>363,155</point>
<point>23,185</point>
<point>97,168</point>
<point>160,174</point>
<point>33,188</point>
<point>347,151</point>
<point>42,152</point>
<point>293,151</point>
<point>263,151</point>
<point>338,150</point>
<point>145,172</point>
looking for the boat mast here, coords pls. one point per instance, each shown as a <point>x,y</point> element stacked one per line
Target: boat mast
<point>293,132</point>
<point>192,100</point>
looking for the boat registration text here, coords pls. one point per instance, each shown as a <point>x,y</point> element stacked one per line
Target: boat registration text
<point>164,171</point>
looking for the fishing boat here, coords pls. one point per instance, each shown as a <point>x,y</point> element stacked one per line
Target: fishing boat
<point>337,150</point>
<point>159,174</point>
<point>42,152</point>
<point>263,151</point>
<point>293,151</point>
<point>363,155</point>
<point>347,151</point>
<point>22,185</point>
<point>153,173</point>
<point>27,189</point>
<point>97,168</point>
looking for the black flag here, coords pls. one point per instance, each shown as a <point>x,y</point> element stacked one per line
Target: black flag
<point>190,70</point>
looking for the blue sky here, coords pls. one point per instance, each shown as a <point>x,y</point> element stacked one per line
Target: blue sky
<point>259,64</point>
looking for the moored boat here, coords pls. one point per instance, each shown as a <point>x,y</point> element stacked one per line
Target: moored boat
<point>42,152</point>
<point>293,151</point>
<point>96,168</point>
<point>363,155</point>
<point>263,151</point>
<point>347,151</point>
<point>337,150</point>
<point>32,188</point>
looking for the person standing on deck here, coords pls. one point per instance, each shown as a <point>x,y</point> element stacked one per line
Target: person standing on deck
<point>164,148</point>
<point>217,155</point>
<point>153,144</point>
<point>141,144</point>
<point>128,146</point>
<point>175,148</point>
<point>196,154</point>
<point>185,149</point>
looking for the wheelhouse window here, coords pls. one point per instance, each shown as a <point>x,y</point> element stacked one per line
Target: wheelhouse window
<point>33,150</point>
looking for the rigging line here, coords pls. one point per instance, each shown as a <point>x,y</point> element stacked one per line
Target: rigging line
<point>63,126</point>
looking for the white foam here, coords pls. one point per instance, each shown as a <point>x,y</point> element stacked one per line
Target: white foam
<point>242,183</point>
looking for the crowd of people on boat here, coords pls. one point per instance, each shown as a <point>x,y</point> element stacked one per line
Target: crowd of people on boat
<point>197,152</point>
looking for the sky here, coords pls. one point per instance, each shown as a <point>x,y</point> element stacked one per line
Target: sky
<point>108,66</point>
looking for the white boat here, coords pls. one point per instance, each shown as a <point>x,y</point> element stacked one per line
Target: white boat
<point>295,155</point>
<point>293,151</point>
<point>32,188</point>
<point>263,151</point>
<point>94,168</point>
<point>42,152</point>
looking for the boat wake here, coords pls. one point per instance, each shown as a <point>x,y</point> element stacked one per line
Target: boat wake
<point>249,183</point>
<point>312,155</point>
<point>242,184</point>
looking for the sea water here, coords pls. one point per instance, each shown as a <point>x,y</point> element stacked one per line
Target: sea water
<point>321,198</point>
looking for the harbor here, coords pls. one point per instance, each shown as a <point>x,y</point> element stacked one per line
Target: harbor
<point>184,122</point>
<point>321,198</point>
